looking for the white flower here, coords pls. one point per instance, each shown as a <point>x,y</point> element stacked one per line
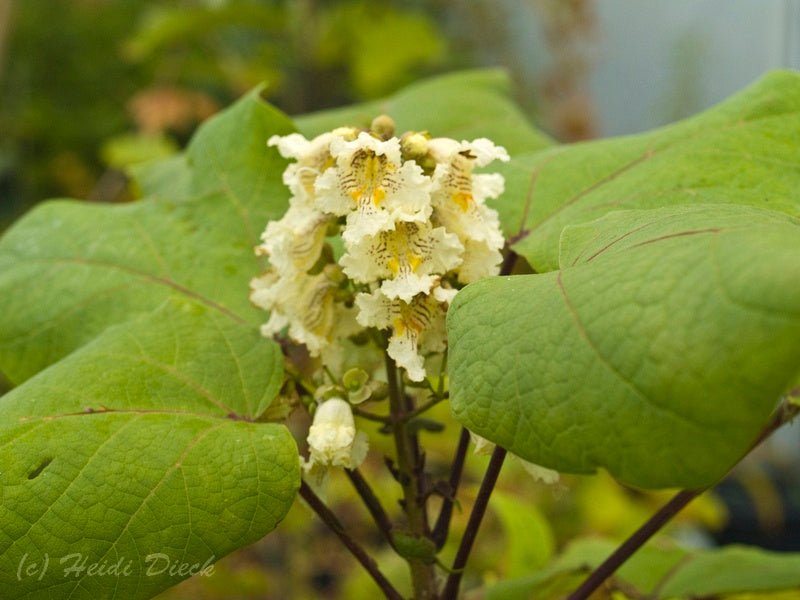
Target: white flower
<point>312,158</point>
<point>294,242</point>
<point>408,259</point>
<point>417,327</point>
<point>458,195</point>
<point>479,260</point>
<point>303,302</point>
<point>484,447</point>
<point>333,439</point>
<point>480,152</point>
<point>371,187</point>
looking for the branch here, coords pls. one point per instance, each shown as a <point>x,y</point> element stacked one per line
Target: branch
<point>785,413</point>
<point>633,543</point>
<point>410,467</point>
<point>333,523</point>
<point>425,406</point>
<point>442,526</point>
<point>372,503</point>
<point>478,510</point>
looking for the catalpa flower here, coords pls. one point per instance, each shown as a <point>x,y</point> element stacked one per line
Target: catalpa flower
<point>459,195</point>
<point>408,258</point>
<point>304,303</point>
<point>333,439</point>
<point>417,327</point>
<point>295,242</point>
<point>371,187</point>
<point>332,442</point>
<point>415,224</point>
<point>312,158</point>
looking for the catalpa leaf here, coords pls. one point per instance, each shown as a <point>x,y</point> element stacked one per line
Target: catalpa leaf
<point>658,351</point>
<point>70,269</point>
<point>136,461</point>
<point>661,572</point>
<point>131,455</point>
<point>743,151</point>
<point>465,105</point>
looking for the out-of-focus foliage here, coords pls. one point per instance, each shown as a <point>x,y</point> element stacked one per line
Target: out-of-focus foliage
<point>64,89</point>
<point>89,87</point>
<point>116,82</point>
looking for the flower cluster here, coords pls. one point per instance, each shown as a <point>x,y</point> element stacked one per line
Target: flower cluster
<point>414,226</point>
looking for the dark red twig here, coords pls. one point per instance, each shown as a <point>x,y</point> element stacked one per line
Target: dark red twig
<point>372,503</point>
<point>476,516</point>
<point>442,526</point>
<point>333,523</point>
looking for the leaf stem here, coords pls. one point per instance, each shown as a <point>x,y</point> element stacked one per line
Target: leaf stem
<point>372,503</point>
<point>476,516</point>
<point>425,406</point>
<point>333,523</point>
<point>784,413</point>
<point>442,526</point>
<point>364,414</point>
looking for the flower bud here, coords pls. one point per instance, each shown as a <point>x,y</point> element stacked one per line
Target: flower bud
<point>414,145</point>
<point>333,439</point>
<point>383,126</point>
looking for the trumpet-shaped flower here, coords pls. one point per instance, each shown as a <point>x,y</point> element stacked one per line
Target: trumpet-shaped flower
<point>371,186</point>
<point>312,157</point>
<point>408,258</point>
<point>294,242</point>
<point>333,439</point>
<point>458,194</point>
<point>417,326</point>
<point>480,260</point>
<point>304,303</point>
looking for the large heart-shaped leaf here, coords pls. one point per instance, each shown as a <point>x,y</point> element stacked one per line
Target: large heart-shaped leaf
<point>134,440</point>
<point>70,269</point>
<point>743,151</point>
<point>464,105</point>
<point>658,350</point>
<point>140,450</point>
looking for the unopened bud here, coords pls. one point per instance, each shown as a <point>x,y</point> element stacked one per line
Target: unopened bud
<point>334,273</point>
<point>383,126</point>
<point>414,145</point>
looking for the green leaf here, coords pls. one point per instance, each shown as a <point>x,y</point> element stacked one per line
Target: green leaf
<point>169,178</point>
<point>70,269</point>
<point>658,351</point>
<point>644,571</point>
<point>660,572</point>
<point>734,569</point>
<point>529,539</point>
<point>743,151</point>
<point>140,450</point>
<point>464,105</point>
<point>229,154</point>
<point>134,434</point>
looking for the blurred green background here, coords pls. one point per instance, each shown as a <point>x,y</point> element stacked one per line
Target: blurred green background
<point>91,86</point>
